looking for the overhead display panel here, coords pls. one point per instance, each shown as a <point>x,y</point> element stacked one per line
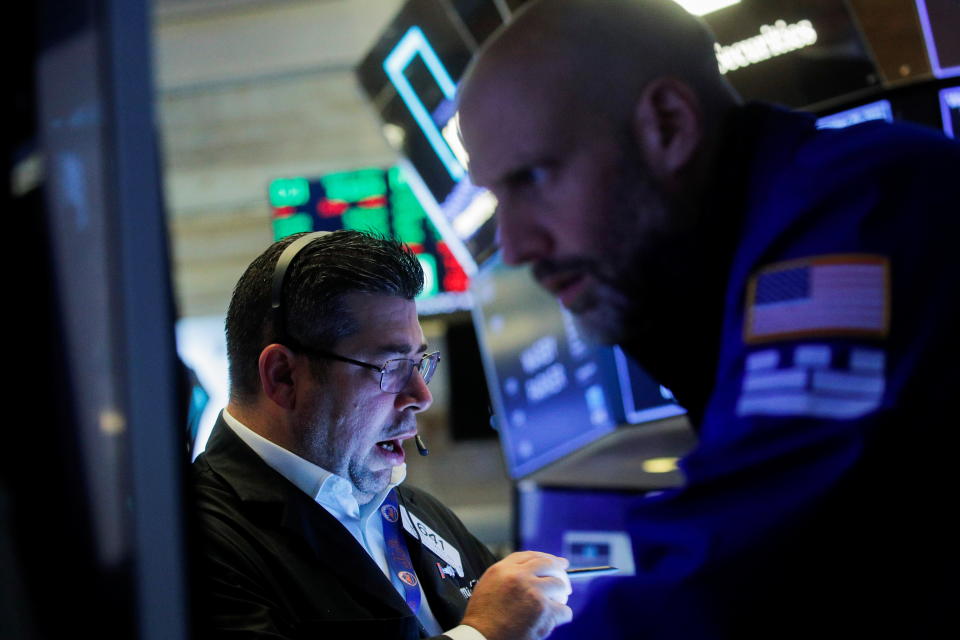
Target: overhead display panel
<point>793,52</point>
<point>410,76</point>
<point>940,21</point>
<point>378,201</point>
<point>950,111</point>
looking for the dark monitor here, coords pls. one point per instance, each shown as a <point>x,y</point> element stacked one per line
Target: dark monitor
<point>410,76</point>
<point>931,102</point>
<point>792,52</point>
<point>92,533</point>
<point>644,399</point>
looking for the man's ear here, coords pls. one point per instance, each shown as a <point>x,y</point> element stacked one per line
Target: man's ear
<point>668,125</point>
<point>277,366</point>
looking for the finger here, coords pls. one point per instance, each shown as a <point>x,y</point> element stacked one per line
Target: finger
<point>529,556</point>
<point>561,613</point>
<point>544,564</point>
<point>565,580</point>
<point>555,589</point>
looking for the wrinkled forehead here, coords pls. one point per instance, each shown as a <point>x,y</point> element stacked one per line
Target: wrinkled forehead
<point>385,324</point>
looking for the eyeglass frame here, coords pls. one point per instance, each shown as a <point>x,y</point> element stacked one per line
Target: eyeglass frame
<point>381,369</point>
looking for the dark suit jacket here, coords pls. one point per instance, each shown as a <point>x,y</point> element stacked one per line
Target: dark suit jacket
<point>275,564</point>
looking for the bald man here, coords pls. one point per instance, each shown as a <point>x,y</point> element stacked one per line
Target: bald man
<point>789,285</point>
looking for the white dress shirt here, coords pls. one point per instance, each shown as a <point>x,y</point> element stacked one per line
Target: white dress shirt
<point>335,494</point>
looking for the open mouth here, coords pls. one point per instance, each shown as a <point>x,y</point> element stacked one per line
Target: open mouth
<point>389,445</point>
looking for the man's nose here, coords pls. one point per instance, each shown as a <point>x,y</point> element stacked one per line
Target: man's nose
<point>521,238</point>
<point>416,395</point>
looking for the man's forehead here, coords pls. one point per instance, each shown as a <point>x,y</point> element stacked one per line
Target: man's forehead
<point>509,120</point>
<point>385,323</point>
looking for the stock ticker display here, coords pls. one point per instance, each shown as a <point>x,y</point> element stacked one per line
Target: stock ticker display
<point>379,201</point>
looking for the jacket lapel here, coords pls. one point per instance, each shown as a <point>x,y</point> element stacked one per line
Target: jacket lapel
<point>262,488</point>
<point>337,549</point>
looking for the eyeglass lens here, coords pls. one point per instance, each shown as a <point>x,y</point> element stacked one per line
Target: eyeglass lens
<point>396,373</point>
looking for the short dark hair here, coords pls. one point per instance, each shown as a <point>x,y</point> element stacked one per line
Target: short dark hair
<point>323,272</point>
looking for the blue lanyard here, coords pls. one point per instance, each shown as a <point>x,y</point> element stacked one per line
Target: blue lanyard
<point>398,558</point>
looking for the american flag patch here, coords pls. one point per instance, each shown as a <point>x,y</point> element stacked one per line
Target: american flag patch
<point>836,295</point>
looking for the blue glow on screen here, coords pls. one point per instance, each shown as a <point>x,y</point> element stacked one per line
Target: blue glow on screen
<point>930,40</point>
<point>879,110</point>
<point>550,394</point>
<point>950,109</point>
<point>644,399</point>
<point>553,391</point>
<point>412,44</point>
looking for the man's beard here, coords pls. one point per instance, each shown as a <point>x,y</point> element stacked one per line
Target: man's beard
<point>367,483</point>
<point>316,445</point>
<point>602,314</point>
<point>624,303</point>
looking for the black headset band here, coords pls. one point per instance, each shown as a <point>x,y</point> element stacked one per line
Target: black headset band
<point>279,275</point>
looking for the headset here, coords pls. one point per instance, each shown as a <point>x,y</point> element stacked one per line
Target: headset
<point>284,262</point>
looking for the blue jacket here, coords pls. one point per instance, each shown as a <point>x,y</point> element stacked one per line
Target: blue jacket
<point>820,501</point>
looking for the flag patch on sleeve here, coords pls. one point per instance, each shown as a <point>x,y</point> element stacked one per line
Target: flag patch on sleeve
<point>834,295</point>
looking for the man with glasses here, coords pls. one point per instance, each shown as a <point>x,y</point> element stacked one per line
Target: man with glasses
<point>306,531</point>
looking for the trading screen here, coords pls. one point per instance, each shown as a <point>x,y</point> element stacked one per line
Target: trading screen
<point>553,391</point>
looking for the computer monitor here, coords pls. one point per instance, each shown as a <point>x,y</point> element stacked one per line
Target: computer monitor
<point>410,76</point>
<point>553,391</point>
<point>950,110</point>
<point>877,110</point>
<point>379,201</point>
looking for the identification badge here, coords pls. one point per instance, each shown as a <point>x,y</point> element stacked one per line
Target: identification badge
<point>429,538</point>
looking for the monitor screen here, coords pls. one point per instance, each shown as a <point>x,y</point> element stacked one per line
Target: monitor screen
<point>793,52</point>
<point>938,21</point>
<point>879,110</point>
<point>644,399</point>
<point>380,201</point>
<point>410,76</point>
<point>553,392</point>
<point>950,110</point>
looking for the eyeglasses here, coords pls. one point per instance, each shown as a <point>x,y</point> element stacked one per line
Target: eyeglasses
<point>394,374</point>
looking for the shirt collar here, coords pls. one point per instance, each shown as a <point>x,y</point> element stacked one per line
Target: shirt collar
<point>331,491</point>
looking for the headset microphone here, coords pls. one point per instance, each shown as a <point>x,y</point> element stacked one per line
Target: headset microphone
<point>421,446</point>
